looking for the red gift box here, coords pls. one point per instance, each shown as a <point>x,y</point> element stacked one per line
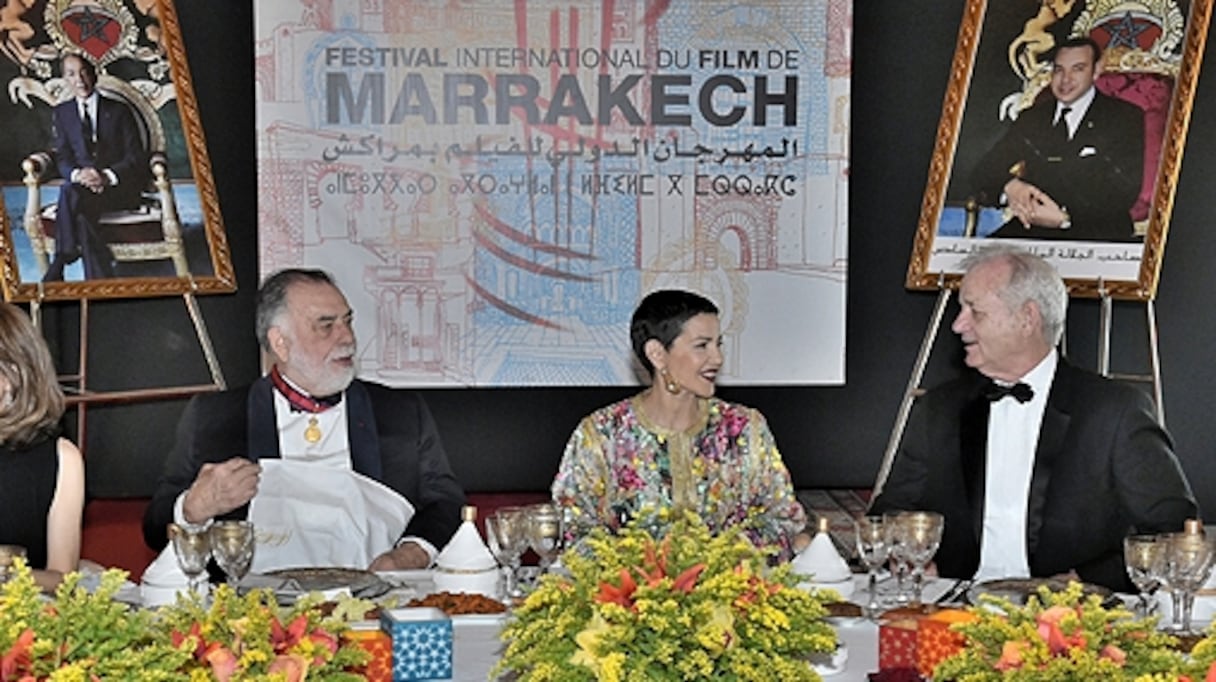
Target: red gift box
<point>376,642</point>
<point>910,639</point>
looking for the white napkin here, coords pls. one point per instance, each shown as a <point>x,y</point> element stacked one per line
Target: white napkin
<point>164,570</point>
<point>821,561</point>
<point>310,515</point>
<point>466,551</point>
<point>162,579</point>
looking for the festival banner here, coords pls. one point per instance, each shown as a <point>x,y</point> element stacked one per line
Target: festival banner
<point>496,184</point>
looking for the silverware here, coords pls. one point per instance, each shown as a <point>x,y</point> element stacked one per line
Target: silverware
<point>957,594</point>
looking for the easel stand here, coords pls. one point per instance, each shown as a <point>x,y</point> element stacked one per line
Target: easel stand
<point>77,387</point>
<point>1106,315</point>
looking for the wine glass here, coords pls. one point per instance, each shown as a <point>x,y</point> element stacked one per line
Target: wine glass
<point>1141,553</point>
<point>193,550</point>
<point>507,537</point>
<point>872,549</point>
<point>1188,560</point>
<point>922,534</point>
<point>544,530</point>
<point>232,543</point>
<point>897,553</point>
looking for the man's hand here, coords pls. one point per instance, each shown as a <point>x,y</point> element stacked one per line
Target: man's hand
<point>220,488</point>
<point>1033,206</point>
<point>92,179</point>
<point>408,555</point>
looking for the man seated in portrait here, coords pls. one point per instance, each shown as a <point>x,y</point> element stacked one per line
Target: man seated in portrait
<point>1071,166</point>
<point>101,157</point>
<point>1039,468</point>
<point>310,409</point>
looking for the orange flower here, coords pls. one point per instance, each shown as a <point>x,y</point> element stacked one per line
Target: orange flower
<point>200,647</point>
<point>1049,629</point>
<point>16,661</point>
<point>1211,676</point>
<point>293,667</point>
<point>283,639</point>
<point>686,581</point>
<point>326,640</point>
<point>1055,614</point>
<point>222,660</point>
<point>1011,656</point>
<point>1114,653</point>
<point>622,595</point>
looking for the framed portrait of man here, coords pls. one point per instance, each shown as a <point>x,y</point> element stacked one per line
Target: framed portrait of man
<point>105,185</point>
<point>1063,130</point>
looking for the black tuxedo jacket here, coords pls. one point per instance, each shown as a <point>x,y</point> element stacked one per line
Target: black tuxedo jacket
<point>1096,175</point>
<point>1103,467</point>
<point>393,439</point>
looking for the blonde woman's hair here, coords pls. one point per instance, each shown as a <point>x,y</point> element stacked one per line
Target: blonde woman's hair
<point>32,402</point>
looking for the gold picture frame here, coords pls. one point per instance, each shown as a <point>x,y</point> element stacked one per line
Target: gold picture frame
<point>173,240</point>
<point>1003,62</point>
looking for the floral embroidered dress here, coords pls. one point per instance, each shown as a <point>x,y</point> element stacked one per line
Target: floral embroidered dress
<point>726,468</point>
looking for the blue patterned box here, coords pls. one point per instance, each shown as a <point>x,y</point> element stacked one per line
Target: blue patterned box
<point>422,643</point>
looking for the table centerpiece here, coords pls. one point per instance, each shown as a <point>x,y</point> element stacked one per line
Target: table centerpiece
<point>1066,635</point>
<point>685,606</point>
<point>82,635</point>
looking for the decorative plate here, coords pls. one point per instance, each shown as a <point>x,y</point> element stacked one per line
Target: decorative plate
<point>361,583</point>
<point>1018,590</point>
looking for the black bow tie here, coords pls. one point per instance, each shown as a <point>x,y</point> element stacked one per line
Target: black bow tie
<point>1021,391</point>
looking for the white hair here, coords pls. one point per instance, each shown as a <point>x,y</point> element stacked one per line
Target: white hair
<point>1031,279</point>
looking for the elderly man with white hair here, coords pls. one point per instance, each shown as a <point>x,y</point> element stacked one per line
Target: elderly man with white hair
<point>1040,468</point>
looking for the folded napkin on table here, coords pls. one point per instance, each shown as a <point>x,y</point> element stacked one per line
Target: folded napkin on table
<point>466,564</point>
<point>466,551</point>
<point>823,566</point>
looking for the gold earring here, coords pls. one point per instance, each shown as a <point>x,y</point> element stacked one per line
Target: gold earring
<point>669,383</point>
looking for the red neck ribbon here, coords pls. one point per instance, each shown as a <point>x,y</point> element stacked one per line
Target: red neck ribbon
<point>302,402</point>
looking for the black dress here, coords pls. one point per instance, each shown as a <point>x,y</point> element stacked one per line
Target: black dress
<point>27,486</point>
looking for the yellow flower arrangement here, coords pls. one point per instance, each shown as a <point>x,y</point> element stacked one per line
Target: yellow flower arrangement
<point>688,606</point>
<point>1068,636</point>
<point>81,636</point>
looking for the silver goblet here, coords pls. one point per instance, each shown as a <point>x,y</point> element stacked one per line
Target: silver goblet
<point>545,533</point>
<point>506,533</point>
<point>873,550</point>
<point>193,550</point>
<point>232,543</point>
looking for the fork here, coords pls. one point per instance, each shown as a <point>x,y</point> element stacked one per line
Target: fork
<point>956,594</point>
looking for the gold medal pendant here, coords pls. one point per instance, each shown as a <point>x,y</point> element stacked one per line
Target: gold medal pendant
<point>312,433</point>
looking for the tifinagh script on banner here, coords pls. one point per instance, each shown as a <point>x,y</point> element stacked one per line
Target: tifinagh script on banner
<point>495,185</point>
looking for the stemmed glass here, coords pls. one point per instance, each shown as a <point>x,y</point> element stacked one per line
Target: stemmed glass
<point>897,552</point>
<point>922,534</point>
<point>193,551</point>
<point>1141,553</point>
<point>1188,563</point>
<point>873,549</point>
<point>544,523</point>
<point>507,536</point>
<point>232,543</point>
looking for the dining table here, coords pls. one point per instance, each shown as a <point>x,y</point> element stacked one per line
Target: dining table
<point>477,647</point>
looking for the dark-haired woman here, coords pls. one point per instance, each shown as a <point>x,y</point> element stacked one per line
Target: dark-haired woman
<point>675,446</point>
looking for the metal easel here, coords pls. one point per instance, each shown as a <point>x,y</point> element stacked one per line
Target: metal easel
<point>913,390</point>
<point>76,386</point>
